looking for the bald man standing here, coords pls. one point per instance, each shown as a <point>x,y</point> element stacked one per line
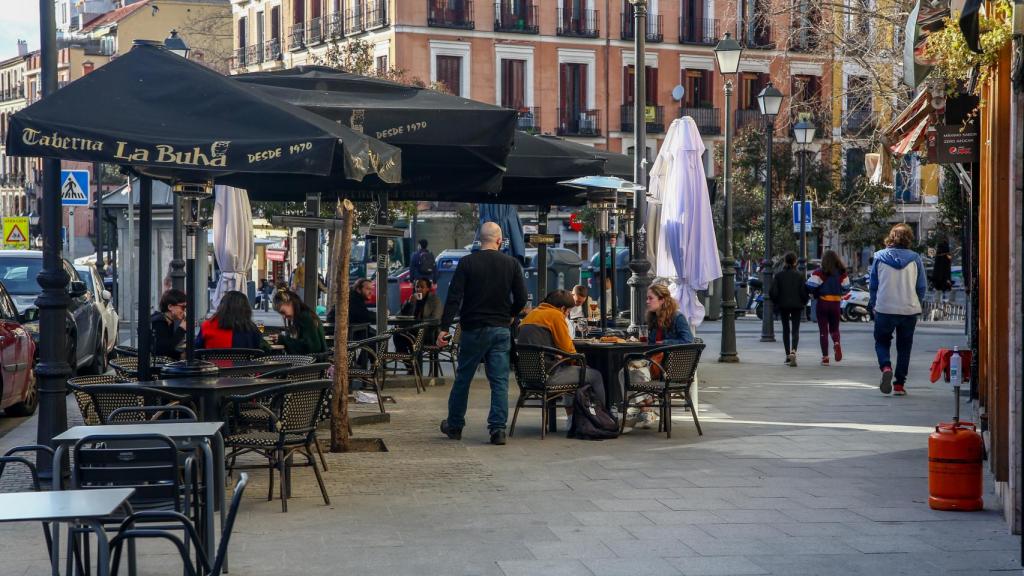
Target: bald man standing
<point>486,293</point>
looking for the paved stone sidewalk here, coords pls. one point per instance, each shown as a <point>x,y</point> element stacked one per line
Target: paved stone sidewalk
<point>800,471</point>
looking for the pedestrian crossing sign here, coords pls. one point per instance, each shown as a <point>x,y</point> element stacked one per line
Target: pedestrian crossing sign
<point>16,233</point>
<point>74,187</point>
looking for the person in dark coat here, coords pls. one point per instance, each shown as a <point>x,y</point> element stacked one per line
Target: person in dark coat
<point>231,326</point>
<point>942,271</point>
<point>168,324</point>
<point>305,333</point>
<point>358,312</point>
<point>789,294</point>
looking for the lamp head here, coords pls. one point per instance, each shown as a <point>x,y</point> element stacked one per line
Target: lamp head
<point>175,44</point>
<point>770,101</point>
<point>803,132</point>
<point>728,52</point>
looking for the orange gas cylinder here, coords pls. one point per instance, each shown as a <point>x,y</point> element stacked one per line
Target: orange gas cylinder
<point>955,453</point>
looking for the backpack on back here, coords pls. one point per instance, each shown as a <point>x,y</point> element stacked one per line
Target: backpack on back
<point>590,420</point>
<point>426,264</point>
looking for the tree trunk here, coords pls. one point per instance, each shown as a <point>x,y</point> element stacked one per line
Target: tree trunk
<point>340,436</point>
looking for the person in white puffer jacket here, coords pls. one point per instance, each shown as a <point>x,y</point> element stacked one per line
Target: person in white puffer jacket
<point>897,287</point>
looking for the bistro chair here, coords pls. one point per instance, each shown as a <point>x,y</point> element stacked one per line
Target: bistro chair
<point>106,398</point>
<point>534,365</point>
<point>124,352</point>
<point>82,398</point>
<point>294,410</point>
<point>291,359</point>
<point>203,564</point>
<point>678,366</point>
<point>447,353</point>
<point>395,360</point>
<point>127,367</point>
<point>237,354</point>
<point>10,458</point>
<point>363,364</point>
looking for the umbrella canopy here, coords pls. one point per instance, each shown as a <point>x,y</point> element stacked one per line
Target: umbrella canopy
<point>232,239</point>
<point>452,148</point>
<point>507,217</point>
<point>168,118</point>
<point>686,250</point>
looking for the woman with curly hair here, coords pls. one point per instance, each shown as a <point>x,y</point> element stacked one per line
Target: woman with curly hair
<point>665,323</point>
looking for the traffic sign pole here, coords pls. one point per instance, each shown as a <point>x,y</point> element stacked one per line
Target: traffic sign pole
<point>71,233</point>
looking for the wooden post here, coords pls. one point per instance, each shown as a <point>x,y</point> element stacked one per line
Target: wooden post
<point>340,436</point>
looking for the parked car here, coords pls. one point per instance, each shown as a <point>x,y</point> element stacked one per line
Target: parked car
<point>84,327</point>
<point>104,301</point>
<point>18,393</point>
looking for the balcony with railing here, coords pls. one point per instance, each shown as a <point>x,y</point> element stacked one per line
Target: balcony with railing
<point>575,122</point>
<point>15,92</point>
<point>241,58</point>
<point>654,27</point>
<point>377,14</point>
<point>334,25</point>
<point>271,50</point>
<point>297,37</point>
<point>747,118</point>
<point>703,31</point>
<point>12,180</point>
<point>314,31</point>
<point>804,39</point>
<point>759,36</point>
<point>354,22</point>
<point>578,23</point>
<point>708,120</point>
<point>858,123</point>
<point>253,54</point>
<point>508,18</point>
<point>813,113</point>
<point>445,14</point>
<point>528,120</point>
<point>654,116</point>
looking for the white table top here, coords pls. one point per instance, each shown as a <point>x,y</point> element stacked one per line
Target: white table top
<point>170,429</point>
<point>61,504</point>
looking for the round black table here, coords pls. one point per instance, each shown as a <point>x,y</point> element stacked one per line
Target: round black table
<point>209,391</point>
<point>607,359</point>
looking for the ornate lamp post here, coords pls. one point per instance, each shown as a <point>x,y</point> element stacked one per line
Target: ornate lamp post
<point>176,44</point>
<point>803,133</point>
<point>639,265</point>
<point>770,101</point>
<point>728,52</point>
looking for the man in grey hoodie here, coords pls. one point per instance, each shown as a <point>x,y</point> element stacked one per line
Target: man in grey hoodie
<point>897,286</point>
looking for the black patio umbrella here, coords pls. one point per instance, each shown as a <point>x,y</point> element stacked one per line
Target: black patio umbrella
<point>165,117</point>
<point>453,148</point>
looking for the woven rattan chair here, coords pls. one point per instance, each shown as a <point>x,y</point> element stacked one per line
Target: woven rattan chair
<point>105,398</point>
<point>237,354</point>
<point>291,359</point>
<point>82,397</point>
<point>394,361</point>
<point>127,367</point>
<point>295,410</point>
<point>447,353</point>
<point>534,366</point>
<point>678,365</point>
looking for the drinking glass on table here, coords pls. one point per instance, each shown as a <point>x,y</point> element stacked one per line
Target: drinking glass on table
<point>261,327</point>
<point>593,309</point>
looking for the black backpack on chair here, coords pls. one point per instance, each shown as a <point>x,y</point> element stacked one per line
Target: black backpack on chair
<point>590,420</point>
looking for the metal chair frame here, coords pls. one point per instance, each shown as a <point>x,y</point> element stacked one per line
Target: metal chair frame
<point>678,368</point>
<point>107,398</point>
<point>415,335</point>
<point>534,365</point>
<point>241,354</point>
<point>448,353</point>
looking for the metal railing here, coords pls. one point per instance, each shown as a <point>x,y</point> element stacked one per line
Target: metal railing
<point>241,58</point>
<point>804,39</point>
<point>578,23</point>
<point>14,93</point>
<point>703,31</point>
<point>654,27</point>
<point>271,50</point>
<point>12,180</point>
<point>760,37</point>
<point>334,26</point>
<point>528,120</point>
<point>708,120</point>
<point>377,14</point>
<point>574,122</point>
<point>508,19</point>
<point>297,37</point>
<point>747,118</point>
<point>440,14</point>
<point>314,31</point>
<point>253,54</point>
<point>858,122</point>
<point>354,21</point>
<point>655,118</point>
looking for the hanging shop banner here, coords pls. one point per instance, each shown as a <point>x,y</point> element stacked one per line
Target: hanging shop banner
<point>953,144</point>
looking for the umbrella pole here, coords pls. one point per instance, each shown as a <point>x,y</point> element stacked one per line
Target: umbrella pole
<point>602,248</point>
<point>145,276</point>
<point>312,252</point>
<point>340,437</point>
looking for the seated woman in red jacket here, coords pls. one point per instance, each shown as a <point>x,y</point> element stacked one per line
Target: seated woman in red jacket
<point>231,326</point>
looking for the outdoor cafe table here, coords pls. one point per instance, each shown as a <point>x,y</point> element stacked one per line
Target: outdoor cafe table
<point>607,358</point>
<point>84,507</point>
<point>407,321</point>
<point>187,435</point>
<point>209,392</point>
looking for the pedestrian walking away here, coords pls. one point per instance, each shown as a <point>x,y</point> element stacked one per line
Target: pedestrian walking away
<point>897,287</point>
<point>942,272</point>
<point>422,263</point>
<point>486,292</point>
<point>827,285</point>
<point>789,293</point>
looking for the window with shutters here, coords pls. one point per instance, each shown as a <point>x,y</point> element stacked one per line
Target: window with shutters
<point>449,73</point>
<point>513,84</point>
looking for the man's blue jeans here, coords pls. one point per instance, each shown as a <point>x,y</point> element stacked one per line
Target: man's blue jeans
<point>903,326</point>
<point>491,346</point>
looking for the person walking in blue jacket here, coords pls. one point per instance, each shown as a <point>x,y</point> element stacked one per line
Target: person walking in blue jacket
<point>898,283</point>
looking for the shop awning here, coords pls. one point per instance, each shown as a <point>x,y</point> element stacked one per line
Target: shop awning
<point>907,131</point>
<point>277,255</point>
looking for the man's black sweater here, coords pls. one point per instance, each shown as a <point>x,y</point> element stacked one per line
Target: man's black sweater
<point>487,289</point>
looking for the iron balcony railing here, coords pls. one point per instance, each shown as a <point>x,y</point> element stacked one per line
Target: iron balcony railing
<point>510,18</point>
<point>253,54</point>
<point>858,123</point>
<point>15,92</point>
<point>448,14</point>
<point>354,21</point>
<point>655,118</point>
<point>528,120</point>
<point>271,50</point>
<point>804,39</point>
<point>297,37</point>
<point>703,31</point>
<point>578,23</point>
<point>376,14</point>
<point>314,31</point>
<point>241,58</point>
<point>708,120</point>
<point>747,118</point>
<point>759,36</point>
<point>576,122</point>
<point>654,33</point>
<point>12,180</point>
<point>334,26</point>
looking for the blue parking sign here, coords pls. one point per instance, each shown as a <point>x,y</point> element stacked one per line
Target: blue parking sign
<point>808,216</point>
<point>74,187</point>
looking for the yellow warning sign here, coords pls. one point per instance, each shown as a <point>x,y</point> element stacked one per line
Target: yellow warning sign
<point>16,233</point>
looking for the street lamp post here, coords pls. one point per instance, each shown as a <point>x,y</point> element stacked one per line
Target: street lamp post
<point>728,52</point>
<point>770,101</point>
<point>175,44</point>
<point>639,265</point>
<point>803,133</point>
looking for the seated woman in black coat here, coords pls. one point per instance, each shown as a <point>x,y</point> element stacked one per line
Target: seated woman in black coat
<point>168,325</point>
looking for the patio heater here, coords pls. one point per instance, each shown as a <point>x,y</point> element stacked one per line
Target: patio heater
<point>177,45</point>
<point>770,101</point>
<point>605,208</point>
<point>727,53</point>
<point>191,196</point>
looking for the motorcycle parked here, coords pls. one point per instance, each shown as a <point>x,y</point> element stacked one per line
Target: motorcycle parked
<point>854,306</point>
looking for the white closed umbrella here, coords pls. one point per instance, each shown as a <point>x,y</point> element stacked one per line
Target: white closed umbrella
<point>687,250</point>
<point>232,239</point>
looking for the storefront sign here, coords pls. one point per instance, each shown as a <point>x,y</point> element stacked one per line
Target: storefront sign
<point>547,239</point>
<point>953,144</point>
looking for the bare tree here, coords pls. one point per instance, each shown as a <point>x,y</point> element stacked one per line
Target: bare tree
<point>208,34</point>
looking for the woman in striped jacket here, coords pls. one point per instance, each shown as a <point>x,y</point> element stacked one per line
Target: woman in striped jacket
<point>827,285</point>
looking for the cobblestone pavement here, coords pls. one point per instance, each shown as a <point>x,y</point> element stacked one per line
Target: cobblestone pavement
<point>800,471</point>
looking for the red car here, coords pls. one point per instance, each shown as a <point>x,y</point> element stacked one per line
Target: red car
<point>404,289</point>
<point>18,394</point>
